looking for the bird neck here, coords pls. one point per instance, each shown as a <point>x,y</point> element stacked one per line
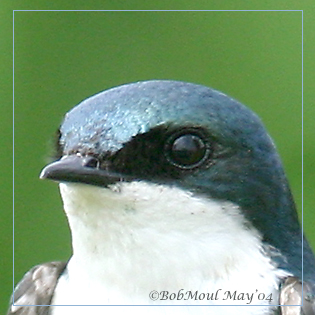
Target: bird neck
<point>161,238</point>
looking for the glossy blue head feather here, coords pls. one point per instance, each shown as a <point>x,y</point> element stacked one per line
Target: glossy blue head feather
<point>104,122</point>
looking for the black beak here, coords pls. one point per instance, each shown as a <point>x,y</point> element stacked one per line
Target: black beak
<point>79,169</point>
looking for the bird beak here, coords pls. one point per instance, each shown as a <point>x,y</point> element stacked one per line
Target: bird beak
<point>79,169</point>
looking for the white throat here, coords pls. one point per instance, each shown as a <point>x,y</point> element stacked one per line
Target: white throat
<point>136,237</point>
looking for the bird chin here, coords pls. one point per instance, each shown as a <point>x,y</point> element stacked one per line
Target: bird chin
<point>78,196</point>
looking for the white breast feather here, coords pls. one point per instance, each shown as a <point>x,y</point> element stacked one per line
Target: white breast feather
<point>137,237</point>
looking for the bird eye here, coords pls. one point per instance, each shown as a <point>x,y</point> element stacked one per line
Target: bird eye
<point>187,150</point>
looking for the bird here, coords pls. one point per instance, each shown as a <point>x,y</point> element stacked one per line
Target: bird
<point>178,203</point>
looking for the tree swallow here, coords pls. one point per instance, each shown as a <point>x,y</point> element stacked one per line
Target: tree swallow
<point>175,195</point>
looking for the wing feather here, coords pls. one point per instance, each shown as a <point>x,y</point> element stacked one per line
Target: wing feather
<point>36,288</point>
<point>291,294</point>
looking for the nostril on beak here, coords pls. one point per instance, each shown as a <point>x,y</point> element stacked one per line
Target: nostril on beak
<point>90,161</point>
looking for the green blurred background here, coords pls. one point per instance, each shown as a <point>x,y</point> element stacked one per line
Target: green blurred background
<point>63,57</point>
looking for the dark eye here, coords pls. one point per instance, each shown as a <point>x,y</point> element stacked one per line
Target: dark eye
<point>187,150</point>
